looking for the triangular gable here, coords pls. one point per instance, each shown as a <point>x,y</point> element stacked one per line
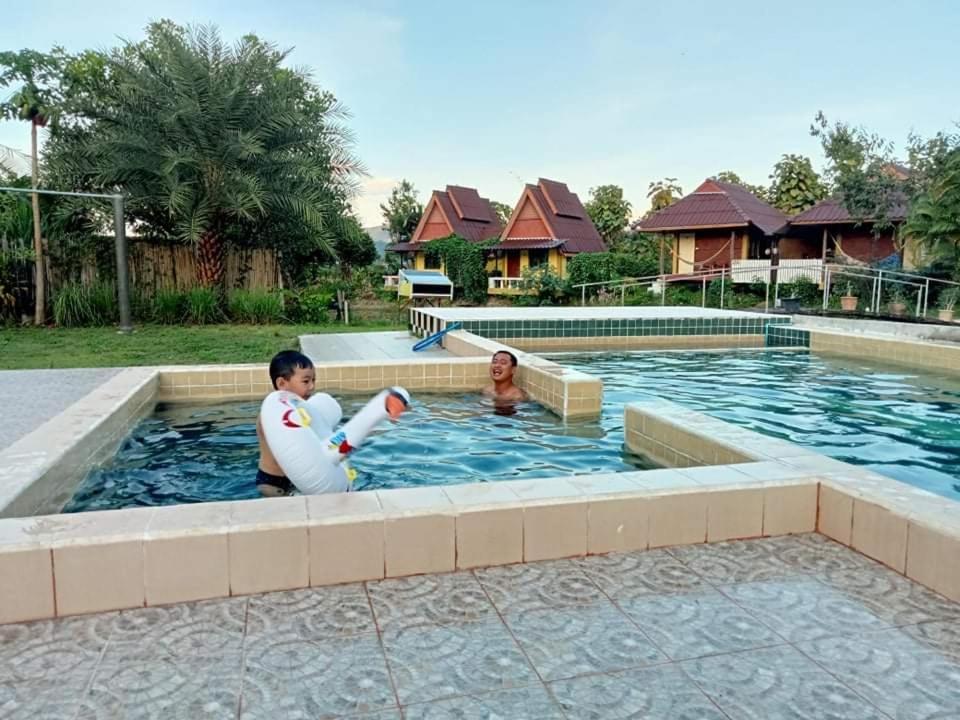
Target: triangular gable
<point>708,186</point>
<point>528,220</point>
<point>433,223</point>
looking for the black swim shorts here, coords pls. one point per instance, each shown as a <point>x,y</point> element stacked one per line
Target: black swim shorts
<point>277,481</point>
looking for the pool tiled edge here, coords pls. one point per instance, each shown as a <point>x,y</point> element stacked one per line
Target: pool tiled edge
<point>40,471</point>
<point>912,531</point>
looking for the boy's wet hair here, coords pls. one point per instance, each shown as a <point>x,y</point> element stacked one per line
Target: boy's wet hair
<point>286,363</point>
<point>513,358</point>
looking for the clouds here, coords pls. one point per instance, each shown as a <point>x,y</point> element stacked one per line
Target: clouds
<point>373,191</point>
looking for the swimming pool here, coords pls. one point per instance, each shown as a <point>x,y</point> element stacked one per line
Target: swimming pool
<point>186,454</point>
<point>900,423</point>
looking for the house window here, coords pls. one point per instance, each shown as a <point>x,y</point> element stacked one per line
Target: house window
<point>431,260</point>
<point>538,257</point>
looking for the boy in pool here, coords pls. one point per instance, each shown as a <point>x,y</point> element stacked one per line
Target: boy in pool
<point>294,372</point>
<point>503,365</point>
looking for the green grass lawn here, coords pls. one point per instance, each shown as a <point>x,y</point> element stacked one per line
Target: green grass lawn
<point>23,348</point>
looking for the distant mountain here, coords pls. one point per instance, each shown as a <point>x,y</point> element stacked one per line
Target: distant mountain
<point>381,238</point>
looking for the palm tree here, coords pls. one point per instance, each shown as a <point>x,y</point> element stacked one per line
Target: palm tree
<point>208,137</point>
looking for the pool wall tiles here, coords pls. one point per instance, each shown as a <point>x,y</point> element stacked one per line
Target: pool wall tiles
<point>240,382</point>
<point>636,327</point>
<point>90,562</point>
<point>41,471</point>
<point>912,531</point>
<point>110,560</point>
<point>780,336</point>
<point>927,355</point>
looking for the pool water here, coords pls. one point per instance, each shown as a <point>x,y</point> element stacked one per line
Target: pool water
<point>901,423</point>
<point>188,454</point>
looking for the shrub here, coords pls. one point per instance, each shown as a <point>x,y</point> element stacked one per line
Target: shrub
<point>79,305</point>
<point>804,289</point>
<point>464,263</point>
<point>255,307</point>
<point>311,305</point>
<point>169,307</point>
<point>203,306</point>
<point>543,284</point>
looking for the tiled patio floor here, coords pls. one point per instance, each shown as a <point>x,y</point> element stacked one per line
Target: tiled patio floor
<point>51,392</point>
<point>782,628</point>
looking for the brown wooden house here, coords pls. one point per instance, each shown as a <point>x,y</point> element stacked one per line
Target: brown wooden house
<point>715,225</point>
<point>455,211</point>
<point>548,225</point>
<point>827,231</point>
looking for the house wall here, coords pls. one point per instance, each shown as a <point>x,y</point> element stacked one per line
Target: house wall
<point>555,260</point>
<point>435,227</point>
<point>858,243</point>
<point>528,223</point>
<point>797,248</point>
<point>710,242</point>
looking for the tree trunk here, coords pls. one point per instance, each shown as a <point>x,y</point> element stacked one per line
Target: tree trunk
<point>210,267</point>
<point>40,309</point>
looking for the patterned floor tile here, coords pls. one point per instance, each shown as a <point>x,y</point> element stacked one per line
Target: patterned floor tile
<point>554,584</point>
<point>891,596</point>
<point>40,701</point>
<point>61,650</point>
<point>165,688</point>
<point>432,663</point>
<point>902,676</point>
<point>803,609</point>
<point>315,613</point>
<point>689,625</point>
<point>814,553</point>
<point>659,693</point>
<point>204,629</point>
<point>733,562</point>
<point>581,640</point>
<point>528,703</point>
<point>296,677</point>
<point>626,575</point>
<point>429,599</point>
<point>942,637</point>
<point>776,684</point>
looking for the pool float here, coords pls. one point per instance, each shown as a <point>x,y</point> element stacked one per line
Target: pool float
<point>435,338</point>
<point>303,438</point>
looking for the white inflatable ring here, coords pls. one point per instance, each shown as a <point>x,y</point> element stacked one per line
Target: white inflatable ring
<point>303,438</point>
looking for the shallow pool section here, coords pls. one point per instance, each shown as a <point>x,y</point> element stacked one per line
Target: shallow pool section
<point>194,454</point>
<point>903,424</point>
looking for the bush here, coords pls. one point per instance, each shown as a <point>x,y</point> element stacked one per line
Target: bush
<point>545,286</point>
<point>804,289</point>
<point>311,305</point>
<point>79,305</point>
<point>169,307</point>
<point>203,306</point>
<point>255,307</point>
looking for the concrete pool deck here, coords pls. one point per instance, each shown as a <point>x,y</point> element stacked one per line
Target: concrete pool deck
<point>367,346</point>
<point>50,393</point>
<point>789,627</point>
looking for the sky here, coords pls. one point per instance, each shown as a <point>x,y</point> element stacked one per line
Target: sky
<point>495,94</point>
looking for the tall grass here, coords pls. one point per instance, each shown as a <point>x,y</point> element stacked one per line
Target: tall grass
<point>255,307</point>
<point>169,307</point>
<point>203,306</point>
<point>79,305</point>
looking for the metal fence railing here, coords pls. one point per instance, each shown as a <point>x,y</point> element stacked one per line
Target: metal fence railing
<point>912,287</point>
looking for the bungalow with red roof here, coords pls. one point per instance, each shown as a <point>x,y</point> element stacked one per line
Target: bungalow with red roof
<point>548,226</point>
<point>455,211</point>
<point>828,231</point>
<point>714,226</point>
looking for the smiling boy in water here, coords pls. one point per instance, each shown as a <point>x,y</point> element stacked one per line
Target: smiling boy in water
<point>293,372</point>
